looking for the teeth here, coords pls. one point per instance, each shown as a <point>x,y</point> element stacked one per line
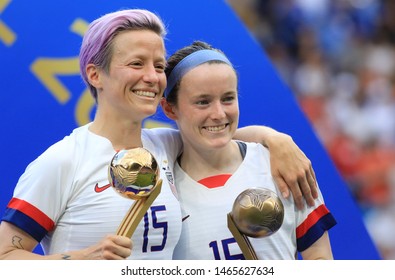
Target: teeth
<point>215,128</point>
<point>145,93</point>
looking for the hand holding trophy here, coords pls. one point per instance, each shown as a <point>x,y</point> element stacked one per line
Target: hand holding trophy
<point>134,174</point>
<point>256,212</point>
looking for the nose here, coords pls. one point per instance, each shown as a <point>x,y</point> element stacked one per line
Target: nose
<point>150,75</point>
<point>217,110</point>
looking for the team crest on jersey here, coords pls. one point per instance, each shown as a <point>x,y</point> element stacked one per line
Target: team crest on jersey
<point>169,177</point>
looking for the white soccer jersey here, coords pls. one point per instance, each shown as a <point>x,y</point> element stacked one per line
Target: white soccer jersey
<point>205,234</point>
<point>64,199</point>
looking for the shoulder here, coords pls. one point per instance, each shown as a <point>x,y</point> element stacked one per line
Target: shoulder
<point>62,153</point>
<point>162,132</point>
<point>255,148</point>
<point>166,139</point>
<point>256,156</point>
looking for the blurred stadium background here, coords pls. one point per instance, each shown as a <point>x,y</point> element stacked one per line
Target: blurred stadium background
<point>338,57</point>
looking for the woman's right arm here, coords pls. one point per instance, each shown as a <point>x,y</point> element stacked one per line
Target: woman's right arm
<point>15,244</point>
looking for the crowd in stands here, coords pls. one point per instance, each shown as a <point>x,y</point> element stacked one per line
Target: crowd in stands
<point>338,57</point>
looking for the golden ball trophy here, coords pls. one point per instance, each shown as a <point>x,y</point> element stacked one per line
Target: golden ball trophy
<point>134,174</point>
<point>257,213</point>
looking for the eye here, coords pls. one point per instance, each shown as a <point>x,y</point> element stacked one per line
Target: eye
<point>228,99</point>
<point>135,64</point>
<point>160,67</point>
<point>202,102</point>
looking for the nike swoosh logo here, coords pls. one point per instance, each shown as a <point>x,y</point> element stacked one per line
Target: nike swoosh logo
<point>100,189</point>
<point>186,217</point>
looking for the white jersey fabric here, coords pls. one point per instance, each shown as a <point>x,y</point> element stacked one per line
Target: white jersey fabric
<point>205,234</point>
<point>64,199</point>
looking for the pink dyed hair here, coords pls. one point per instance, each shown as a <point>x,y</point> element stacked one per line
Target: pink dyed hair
<point>96,45</point>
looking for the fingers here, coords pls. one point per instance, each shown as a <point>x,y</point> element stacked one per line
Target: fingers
<point>313,183</point>
<point>297,196</point>
<point>303,188</point>
<point>116,247</point>
<point>306,189</point>
<point>308,186</point>
<point>111,247</point>
<point>292,171</point>
<point>290,186</point>
<point>124,248</point>
<point>282,186</point>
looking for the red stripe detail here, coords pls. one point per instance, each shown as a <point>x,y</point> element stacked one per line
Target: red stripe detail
<point>215,181</point>
<point>31,211</point>
<point>311,220</point>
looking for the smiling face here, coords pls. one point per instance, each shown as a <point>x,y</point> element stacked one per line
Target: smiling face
<point>135,82</point>
<point>207,110</point>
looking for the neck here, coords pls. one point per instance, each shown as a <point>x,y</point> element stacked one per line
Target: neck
<point>202,164</point>
<point>123,134</point>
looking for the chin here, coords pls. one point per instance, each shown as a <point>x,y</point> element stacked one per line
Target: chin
<point>150,111</point>
<point>220,143</point>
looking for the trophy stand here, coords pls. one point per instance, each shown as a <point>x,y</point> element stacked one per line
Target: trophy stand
<point>134,174</point>
<point>242,240</point>
<point>137,211</point>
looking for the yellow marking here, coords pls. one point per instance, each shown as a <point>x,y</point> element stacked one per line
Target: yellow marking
<point>46,70</point>
<point>6,34</point>
<point>152,124</point>
<point>79,26</point>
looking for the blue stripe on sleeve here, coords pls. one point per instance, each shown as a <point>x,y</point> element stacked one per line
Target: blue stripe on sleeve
<point>25,223</point>
<point>315,232</point>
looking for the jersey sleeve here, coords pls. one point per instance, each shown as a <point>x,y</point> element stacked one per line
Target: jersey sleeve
<point>40,195</point>
<point>168,139</point>
<point>312,222</point>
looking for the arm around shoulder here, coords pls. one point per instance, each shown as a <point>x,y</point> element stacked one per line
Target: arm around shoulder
<point>291,169</point>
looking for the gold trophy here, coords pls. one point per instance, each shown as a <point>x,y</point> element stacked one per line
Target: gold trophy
<point>134,174</point>
<point>257,213</point>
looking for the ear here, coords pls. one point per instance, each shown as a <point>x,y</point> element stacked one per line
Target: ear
<point>168,109</point>
<point>93,74</point>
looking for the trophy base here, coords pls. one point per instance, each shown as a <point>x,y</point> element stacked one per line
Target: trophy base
<point>137,212</point>
<point>242,240</point>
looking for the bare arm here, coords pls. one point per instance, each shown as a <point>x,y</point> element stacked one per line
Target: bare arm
<point>320,250</point>
<point>16,244</point>
<point>291,169</point>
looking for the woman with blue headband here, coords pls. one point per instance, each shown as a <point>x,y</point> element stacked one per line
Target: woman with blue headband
<point>213,169</point>
<point>64,202</point>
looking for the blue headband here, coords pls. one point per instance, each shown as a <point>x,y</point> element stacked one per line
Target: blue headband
<point>191,61</point>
